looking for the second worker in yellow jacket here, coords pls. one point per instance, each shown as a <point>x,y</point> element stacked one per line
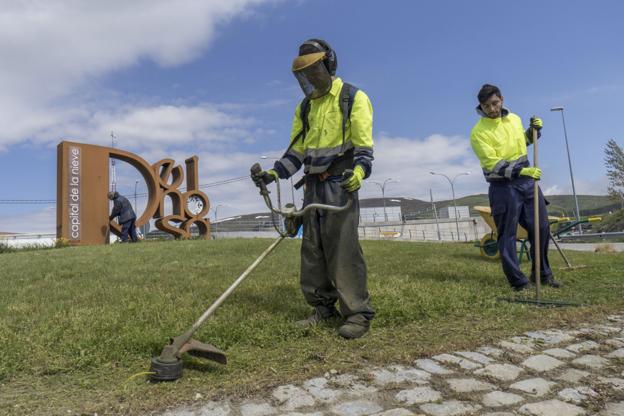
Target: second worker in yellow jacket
<point>500,142</point>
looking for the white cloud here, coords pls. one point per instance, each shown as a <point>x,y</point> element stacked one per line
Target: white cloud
<point>553,190</point>
<point>596,186</point>
<point>410,160</point>
<point>54,51</point>
<point>150,127</point>
<point>51,49</point>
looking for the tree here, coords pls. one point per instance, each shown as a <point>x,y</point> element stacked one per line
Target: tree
<point>614,161</point>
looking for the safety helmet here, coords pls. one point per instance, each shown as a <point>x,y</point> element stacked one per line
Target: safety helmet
<point>314,67</point>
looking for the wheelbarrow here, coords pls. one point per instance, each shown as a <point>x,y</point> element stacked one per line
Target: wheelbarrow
<point>488,244</point>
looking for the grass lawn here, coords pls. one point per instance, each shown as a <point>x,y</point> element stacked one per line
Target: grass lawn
<point>76,323</point>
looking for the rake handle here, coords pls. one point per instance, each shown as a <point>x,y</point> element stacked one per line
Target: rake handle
<point>536,225</point>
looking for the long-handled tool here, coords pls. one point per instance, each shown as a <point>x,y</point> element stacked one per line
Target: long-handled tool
<point>168,365</point>
<point>568,225</point>
<point>536,226</point>
<point>565,258</point>
<point>536,247</point>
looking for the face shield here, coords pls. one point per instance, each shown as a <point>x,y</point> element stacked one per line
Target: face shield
<point>313,77</point>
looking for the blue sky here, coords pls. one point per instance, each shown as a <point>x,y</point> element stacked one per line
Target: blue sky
<point>212,78</point>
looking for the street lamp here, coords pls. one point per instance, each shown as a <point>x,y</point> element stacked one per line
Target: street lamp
<point>216,210</point>
<point>453,192</point>
<point>135,194</point>
<point>383,193</point>
<point>565,135</point>
<point>292,186</point>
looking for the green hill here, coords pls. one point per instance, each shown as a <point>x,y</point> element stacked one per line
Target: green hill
<point>560,205</point>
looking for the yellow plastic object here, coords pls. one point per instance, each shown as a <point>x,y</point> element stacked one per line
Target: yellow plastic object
<point>521,233</point>
<point>594,219</point>
<point>304,61</point>
<point>486,214</point>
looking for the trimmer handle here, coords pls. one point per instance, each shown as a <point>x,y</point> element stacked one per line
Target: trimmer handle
<point>255,170</point>
<point>347,174</point>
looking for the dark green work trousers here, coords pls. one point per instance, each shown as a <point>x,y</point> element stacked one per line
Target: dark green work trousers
<point>332,262</point>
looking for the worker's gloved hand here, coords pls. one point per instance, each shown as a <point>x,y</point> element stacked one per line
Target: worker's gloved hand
<point>534,173</point>
<point>354,182</point>
<point>265,176</point>
<point>536,123</point>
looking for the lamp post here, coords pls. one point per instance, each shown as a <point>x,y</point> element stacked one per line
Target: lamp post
<point>435,213</point>
<point>565,135</point>
<point>383,193</point>
<point>113,172</point>
<point>135,194</point>
<point>216,211</point>
<point>292,186</point>
<point>453,193</point>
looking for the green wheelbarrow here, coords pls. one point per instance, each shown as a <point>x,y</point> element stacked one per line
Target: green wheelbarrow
<point>488,244</point>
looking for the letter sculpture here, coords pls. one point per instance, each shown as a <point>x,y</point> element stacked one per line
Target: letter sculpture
<point>82,187</point>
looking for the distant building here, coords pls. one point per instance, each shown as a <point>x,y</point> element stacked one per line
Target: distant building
<point>449,212</point>
<point>376,214</point>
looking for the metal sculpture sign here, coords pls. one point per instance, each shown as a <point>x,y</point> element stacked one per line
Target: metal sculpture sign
<point>83,206</point>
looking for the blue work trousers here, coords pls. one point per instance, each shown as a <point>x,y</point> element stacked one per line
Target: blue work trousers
<point>129,227</point>
<point>512,204</point>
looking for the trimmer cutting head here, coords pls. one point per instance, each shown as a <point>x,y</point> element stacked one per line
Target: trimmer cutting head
<point>165,371</point>
<point>168,365</point>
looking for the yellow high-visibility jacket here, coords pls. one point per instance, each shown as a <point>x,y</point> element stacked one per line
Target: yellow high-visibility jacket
<point>501,145</point>
<point>323,142</point>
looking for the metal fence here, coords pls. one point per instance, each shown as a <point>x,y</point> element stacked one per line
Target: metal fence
<point>28,240</point>
<point>262,226</point>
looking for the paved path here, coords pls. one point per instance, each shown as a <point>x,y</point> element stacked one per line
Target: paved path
<point>590,246</point>
<point>541,373</point>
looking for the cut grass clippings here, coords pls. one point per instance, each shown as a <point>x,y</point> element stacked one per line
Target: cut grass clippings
<point>77,323</point>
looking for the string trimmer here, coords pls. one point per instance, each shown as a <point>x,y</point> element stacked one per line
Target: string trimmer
<point>168,365</point>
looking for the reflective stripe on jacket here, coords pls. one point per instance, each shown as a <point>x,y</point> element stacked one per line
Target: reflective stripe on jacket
<point>323,140</point>
<point>501,146</point>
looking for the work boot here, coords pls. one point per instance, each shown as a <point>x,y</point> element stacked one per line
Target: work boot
<point>354,327</point>
<point>321,313</point>
<point>548,281</point>
<point>552,283</point>
<point>520,288</point>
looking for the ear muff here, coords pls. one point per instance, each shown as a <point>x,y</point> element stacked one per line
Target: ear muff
<point>330,61</point>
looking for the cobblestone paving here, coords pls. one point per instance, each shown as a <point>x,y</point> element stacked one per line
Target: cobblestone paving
<point>540,373</point>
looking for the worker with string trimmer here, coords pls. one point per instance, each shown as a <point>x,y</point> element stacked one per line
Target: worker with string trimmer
<point>331,133</point>
<point>500,142</point>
